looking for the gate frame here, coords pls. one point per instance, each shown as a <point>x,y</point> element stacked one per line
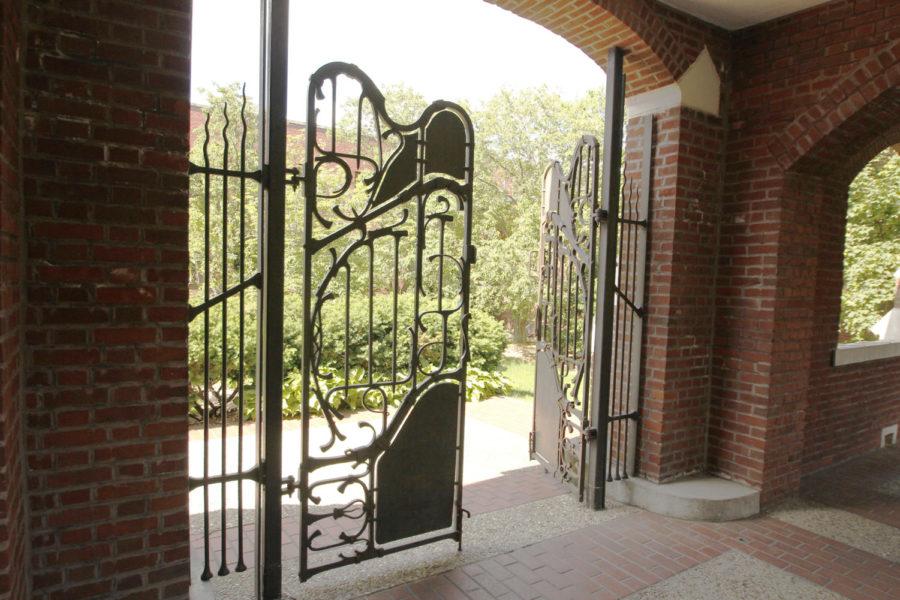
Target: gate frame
<point>613,135</point>
<point>273,148</point>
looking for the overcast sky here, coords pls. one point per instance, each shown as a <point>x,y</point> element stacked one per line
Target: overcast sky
<point>445,49</point>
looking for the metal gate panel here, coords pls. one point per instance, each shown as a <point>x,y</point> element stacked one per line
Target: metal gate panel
<point>387,218</point>
<point>567,269</point>
<point>597,457</point>
<point>590,309</point>
<point>224,283</point>
<point>628,323</point>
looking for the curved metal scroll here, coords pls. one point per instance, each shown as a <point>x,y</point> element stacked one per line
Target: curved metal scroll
<point>565,311</point>
<point>387,257</point>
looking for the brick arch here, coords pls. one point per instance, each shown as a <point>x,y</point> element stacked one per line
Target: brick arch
<point>826,138</point>
<point>889,137</point>
<point>655,58</point>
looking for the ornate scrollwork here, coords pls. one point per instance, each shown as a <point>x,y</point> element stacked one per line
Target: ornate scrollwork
<point>567,276</point>
<point>387,223</point>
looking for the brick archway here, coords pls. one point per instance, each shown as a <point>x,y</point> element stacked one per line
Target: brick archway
<point>822,150</point>
<point>655,58</point>
<point>849,115</point>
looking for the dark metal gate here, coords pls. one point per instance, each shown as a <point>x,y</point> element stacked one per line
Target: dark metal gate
<point>590,308</point>
<point>387,251</point>
<point>565,314</point>
<point>383,317</point>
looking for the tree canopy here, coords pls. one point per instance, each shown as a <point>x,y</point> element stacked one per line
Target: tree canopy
<point>872,246</point>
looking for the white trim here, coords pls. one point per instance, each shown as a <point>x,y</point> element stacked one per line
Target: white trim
<point>848,354</point>
<point>701,85</point>
<point>654,101</point>
<point>698,88</point>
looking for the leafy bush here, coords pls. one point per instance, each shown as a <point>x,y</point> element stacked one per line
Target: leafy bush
<point>481,384</point>
<point>487,338</point>
<point>220,395</point>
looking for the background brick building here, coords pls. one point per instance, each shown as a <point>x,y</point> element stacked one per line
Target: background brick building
<point>744,270</point>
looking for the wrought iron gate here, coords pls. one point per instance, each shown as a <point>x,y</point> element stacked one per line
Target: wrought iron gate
<point>565,314</point>
<point>590,309</point>
<point>384,312</point>
<point>387,230</point>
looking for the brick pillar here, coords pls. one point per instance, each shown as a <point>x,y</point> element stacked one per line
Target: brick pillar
<point>681,266</point>
<point>13,521</point>
<point>105,185</point>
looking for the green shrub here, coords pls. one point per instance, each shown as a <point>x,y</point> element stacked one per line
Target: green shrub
<point>481,384</point>
<point>487,341</point>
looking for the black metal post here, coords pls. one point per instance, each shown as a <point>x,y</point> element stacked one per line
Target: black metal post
<point>613,135</point>
<point>273,123</point>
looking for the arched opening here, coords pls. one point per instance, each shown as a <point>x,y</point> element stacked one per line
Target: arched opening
<point>851,394</point>
<point>871,249</point>
<point>231,125</point>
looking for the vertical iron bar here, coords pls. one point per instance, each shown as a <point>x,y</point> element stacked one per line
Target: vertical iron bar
<point>589,304</point>
<point>630,317</point>
<point>612,161</point>
<point>642,214</point>
<point>242,268</point>
<point>207,573</point>
<point>223,565</point>
<point>273,79</point>
<point>469,258</point>
<point>393,331</point>
<point>371,368</point>
<point>309,198</point>
<point>626,241</point>
<point>619,333</point>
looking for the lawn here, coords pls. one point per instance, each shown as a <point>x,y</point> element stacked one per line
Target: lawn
<point>520,372</point>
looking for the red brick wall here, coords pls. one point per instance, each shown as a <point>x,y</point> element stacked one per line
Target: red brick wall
<point>742,275</point>
<point>800,88</point>
<point>105,185</point>
<point>681,280</point>
<point>13,533</point>
<point>661,43</point>
<point>848,405</point>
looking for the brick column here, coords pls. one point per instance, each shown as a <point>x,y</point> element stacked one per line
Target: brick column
<point>106,112</point>
<point>681,266</point>
<point>13,520</point>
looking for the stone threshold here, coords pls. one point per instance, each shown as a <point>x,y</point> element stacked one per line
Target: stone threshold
<point>694,498</point>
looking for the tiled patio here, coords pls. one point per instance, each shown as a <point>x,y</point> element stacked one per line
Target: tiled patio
<point>528,540</point>
<point>641,551</point>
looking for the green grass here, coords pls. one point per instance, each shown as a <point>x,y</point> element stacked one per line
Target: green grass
<point>520,373</point>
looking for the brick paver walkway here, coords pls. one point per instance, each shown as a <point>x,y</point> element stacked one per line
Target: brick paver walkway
<point>630,553</point>
<point>513,488</point>
<point>857,486</point>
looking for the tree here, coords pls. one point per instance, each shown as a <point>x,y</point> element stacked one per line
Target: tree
<point>517,134</point>
<point>872,246</point>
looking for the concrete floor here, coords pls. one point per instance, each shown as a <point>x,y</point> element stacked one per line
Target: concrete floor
<point>528,538</point>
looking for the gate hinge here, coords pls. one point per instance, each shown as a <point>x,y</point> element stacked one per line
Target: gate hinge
<point>635,415</point>
<point>601,215</point>
<point>590,433</point>
<point>472,254</point>
<point>531,442</point>
<point>288,485</point>
<point>297,176</point>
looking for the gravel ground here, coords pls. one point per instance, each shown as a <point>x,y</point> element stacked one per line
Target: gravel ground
<point>890,486</point>
<point>735,575</point>
<point>484,536</point>
<point>873,537</point>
